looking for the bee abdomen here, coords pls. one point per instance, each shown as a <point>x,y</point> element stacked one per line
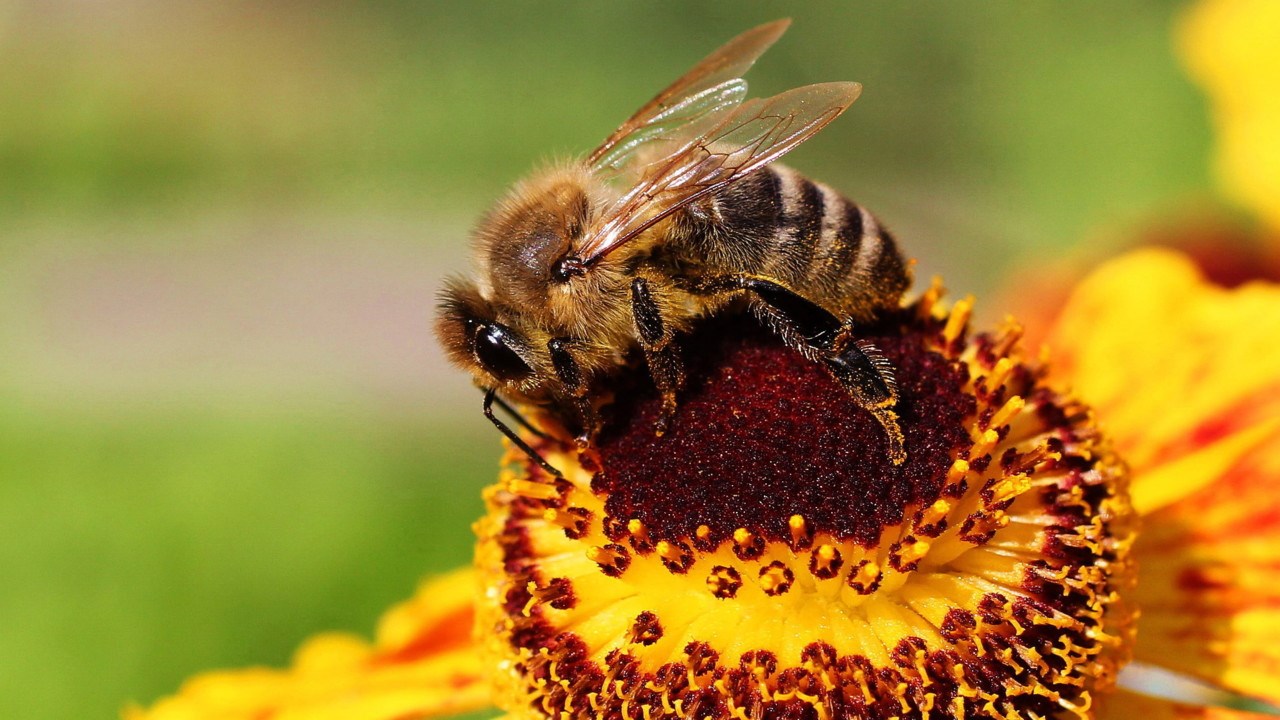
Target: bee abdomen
<point>835,252</point>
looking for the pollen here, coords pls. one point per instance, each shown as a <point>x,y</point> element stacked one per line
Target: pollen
<point>766,558</point>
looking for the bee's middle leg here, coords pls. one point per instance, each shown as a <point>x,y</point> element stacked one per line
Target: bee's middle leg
<point>660,351</point>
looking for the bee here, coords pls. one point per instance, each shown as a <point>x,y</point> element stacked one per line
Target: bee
<point>679,213</point>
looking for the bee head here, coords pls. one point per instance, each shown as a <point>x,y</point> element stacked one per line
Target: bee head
<point>472,334</point>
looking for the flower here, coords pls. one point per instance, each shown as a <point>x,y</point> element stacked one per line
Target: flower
<point>1177,371</point>
<point>767,558</point>
<point>996,581</point>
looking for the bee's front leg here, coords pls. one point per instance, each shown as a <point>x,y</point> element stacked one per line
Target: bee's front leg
<point>571,377</point>
<point>656,339</point>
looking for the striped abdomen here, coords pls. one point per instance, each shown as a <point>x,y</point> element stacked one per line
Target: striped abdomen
<point>778,224</point>
<point>833,251</point>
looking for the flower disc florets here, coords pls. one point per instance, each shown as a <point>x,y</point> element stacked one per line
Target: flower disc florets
<point>766,559</point>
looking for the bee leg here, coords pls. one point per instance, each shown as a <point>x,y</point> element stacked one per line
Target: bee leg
<point>822,337</point>
<point>489,397</point>
<point>659,350</point>
<point>868,376</point>
<point>570,375</point>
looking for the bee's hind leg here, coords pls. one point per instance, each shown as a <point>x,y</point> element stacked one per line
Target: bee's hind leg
<point>868,376</point>
<point>660,351</point>
<point>819,335</point>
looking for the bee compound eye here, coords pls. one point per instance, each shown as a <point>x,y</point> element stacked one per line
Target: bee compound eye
<point>493,350</point>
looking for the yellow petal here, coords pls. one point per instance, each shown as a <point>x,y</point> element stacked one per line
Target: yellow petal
<point>1230,48</point>
<point>1208,591</point>
<point>421,664</point>
<point>1185,376</point>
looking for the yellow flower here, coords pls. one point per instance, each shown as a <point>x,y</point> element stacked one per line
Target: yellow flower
<point>764,560</point>
<point>1230,48</point>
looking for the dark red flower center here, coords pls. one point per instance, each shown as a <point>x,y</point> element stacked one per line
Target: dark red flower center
<point>762,434</point>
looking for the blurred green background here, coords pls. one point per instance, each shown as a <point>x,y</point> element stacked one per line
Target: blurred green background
<point>224,424</point>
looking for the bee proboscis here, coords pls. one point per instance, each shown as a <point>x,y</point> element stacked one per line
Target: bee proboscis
<point>678,213</point>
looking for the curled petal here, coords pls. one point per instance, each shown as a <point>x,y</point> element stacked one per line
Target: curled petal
<point>421,664</point>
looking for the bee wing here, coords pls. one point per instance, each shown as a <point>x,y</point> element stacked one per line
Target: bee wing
<point>713,85</point>
<point>752,135</point>
<point>660,134</point>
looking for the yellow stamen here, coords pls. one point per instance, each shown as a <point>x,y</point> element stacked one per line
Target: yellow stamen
<point>1007,412</point>
<point>535,490</point>
<point>797,527</point>
<point>958,319</point>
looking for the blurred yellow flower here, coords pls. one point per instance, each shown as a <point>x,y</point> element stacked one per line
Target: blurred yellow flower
<point>422,657</point>
<point>1230,47</point>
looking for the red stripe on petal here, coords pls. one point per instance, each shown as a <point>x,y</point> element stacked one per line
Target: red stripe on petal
<point>451,632</point>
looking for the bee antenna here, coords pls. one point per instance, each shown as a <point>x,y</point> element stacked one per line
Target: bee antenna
<point>489,397</point>
<point>519,418</point>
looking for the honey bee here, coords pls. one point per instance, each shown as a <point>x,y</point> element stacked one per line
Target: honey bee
<point>677,214</point>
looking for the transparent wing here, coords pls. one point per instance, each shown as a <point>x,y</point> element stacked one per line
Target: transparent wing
<point>659,136</point>
<point>752,135</point>
<point>712,86</point>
